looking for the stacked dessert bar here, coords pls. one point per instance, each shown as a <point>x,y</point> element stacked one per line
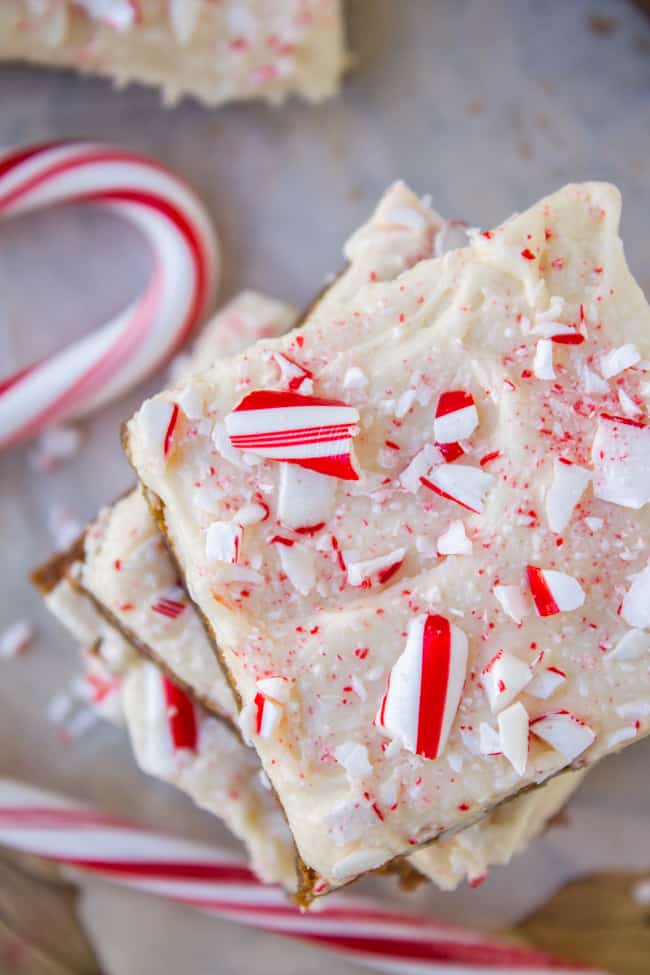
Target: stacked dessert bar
<point>389,572</point>
<point>217,52</point>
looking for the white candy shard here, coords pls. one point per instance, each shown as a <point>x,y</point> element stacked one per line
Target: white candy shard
<point>157,421</point>
<point>190,400</point>
<point>621,460</point>
<point>306,498</point>
<point>355,379</point>
<point>546,682</point>
<point>183,15</point>
<point>424,686</point>
<point>489,742</point>
<point>420,466</point>
<point>513,736</point>
<point>354,759</point>
<point>564,732</point>
<point>223,542</point>
<point>513,602</point>
<point>456,416</point>
<point>543,361</point>
<point>276,688</point>
<point>568,486</point>
<point>636,602</point>
<point>460,483</point>
<point>383,567</point>
<point>611,363</point>
<point>631,646</point>
<point>629,407</point>
<point>503,678</point>
<point>252,514</point>
<point>298,564</point>
<point>455,541</point>
<point>16,639</point>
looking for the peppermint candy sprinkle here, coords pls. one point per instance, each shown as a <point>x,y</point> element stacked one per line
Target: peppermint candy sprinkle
<point>563,731</point>
<point>568,486</point>
<point>503,678</point>
<point>170,718</point>
<point>305,430</point>
<point>554,592</point>
<point>425,686</point>
<point>223,542</point>
<point>158,422</point>
<point>460,483</point>
<point>620,455</point>
<point>267,716</point>
<point>456,416</point>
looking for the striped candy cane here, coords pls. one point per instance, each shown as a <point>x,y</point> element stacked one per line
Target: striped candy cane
<point>78,836</point>
<point>103,365</point>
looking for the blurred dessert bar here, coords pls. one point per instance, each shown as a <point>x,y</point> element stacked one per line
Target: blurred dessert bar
<point>217,52</point>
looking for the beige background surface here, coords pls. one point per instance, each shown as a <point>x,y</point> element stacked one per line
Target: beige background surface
<point>485,104</point>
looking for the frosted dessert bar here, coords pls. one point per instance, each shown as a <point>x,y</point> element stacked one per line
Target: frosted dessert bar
<point>176,740</point>
<point>217,52</point>
<point>445,597</point>
<point>173,737</point>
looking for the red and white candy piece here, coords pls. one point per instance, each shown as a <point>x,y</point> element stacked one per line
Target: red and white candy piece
<point>171,604</point>
<point>379,570</point>
<point>456,416</point>
<point>620,456</point>
<point>267,715</point>
<point>223,542</point>
<point>158,425</point>
<point>305,430</point>
<point>99,367</point>
<point>567,487</point>
<point>546,681</point>
<point>460,483</point>
<point>513,736</point>
<point>554,592</point>
<point>297,563</point>
<point>425,686</point>
<point>543,360</point>
<point>563,731</point>
<point>293,375</point>
<point>503,678</point>
<point>169,716</point>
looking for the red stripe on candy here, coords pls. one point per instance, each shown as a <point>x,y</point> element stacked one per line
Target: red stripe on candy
<point>436,653</point>
<point>181,716</point>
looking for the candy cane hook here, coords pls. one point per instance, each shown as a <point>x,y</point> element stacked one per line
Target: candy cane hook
<point>101,366</point>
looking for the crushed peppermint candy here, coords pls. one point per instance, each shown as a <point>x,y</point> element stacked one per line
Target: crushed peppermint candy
<point>380,569</point>
<point>567,487</point>
<point>424,686</point>
<point>305,430</point>
<point>513,736</point>
<point>635,608</point>
<point>306,498</point>
<point>543,360</point>
<point>563,731</point>
<point>456,416</point>
<point>16,639</point>
<point>460,483</point>
<point>620,455</point>
<point>633,645</point>
<point>297,563</point>
<point>553,591</point>
<point>54,446</point>
<point>158,425</point>
<point>616,361</point>
<point>513,601</point>
<point>546,682</point>
<point>223,541</point>
<point>455,541</point>
<point>267,716</point>
<point>503,679</point>
<point>276,688</point>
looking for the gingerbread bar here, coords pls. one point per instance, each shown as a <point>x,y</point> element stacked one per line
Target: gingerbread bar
<point>217,52</point>
<point>445,596</point>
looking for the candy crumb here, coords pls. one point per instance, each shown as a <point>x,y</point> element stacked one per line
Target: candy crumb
<point>16,639</point>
